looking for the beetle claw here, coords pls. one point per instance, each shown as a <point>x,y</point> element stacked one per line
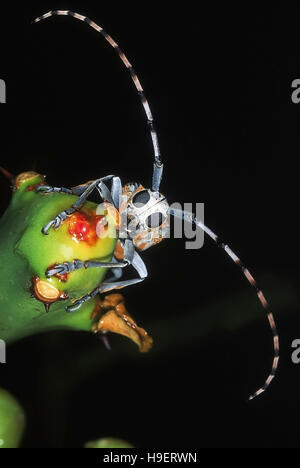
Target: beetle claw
<point>59,269</point>
<point>46,229</point>
<point>43,188</point>
<point>56,222</point>
<point>74,307</point>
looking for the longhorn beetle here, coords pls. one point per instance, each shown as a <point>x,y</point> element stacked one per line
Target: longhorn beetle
<point>147,209</point>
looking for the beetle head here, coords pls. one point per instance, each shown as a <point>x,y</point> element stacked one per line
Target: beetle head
<point>146,215</point>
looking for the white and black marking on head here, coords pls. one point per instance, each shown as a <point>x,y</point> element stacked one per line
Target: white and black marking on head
<point>146,214</point>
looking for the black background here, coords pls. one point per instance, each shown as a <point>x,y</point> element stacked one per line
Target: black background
<point>219,84</point>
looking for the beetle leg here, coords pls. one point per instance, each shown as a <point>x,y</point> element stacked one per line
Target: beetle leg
<point>104,287</point>
<point>49,189</point>
<point>56,222</point>
<point>77,304</point>
<point>77,190</point>
<point>116,191</point>
<point>61,269</point>
<point>130,257</point>
<point>87,190</point>
<point>68,267</point>
<point>126,251</point>
<point>113,195</point>
<point>116,272</point>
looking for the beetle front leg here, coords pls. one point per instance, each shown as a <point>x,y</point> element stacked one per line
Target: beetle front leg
<point>56,222</point>
<point>84,191</point>
<point>77,190</point>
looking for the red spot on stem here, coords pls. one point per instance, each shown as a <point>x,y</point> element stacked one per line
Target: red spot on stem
<point>82,227</point>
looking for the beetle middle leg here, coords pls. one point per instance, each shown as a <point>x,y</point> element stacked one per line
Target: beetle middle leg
<point>131,257</point>
<point>69,267</point>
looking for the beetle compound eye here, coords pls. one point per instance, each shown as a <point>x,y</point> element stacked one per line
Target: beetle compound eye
<point>155,220</point>
<point>141,199</point>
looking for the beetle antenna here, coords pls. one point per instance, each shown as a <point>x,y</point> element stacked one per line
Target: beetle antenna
<point>191,218</point>
<point>158,165</point>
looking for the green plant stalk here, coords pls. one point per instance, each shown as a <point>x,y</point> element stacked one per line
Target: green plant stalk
<point>108,442</point>
<point>26,253</point>
<point>12,421</point>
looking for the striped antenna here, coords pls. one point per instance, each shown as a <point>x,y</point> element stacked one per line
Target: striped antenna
<point>158,166</point>
<point>191,218</point>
